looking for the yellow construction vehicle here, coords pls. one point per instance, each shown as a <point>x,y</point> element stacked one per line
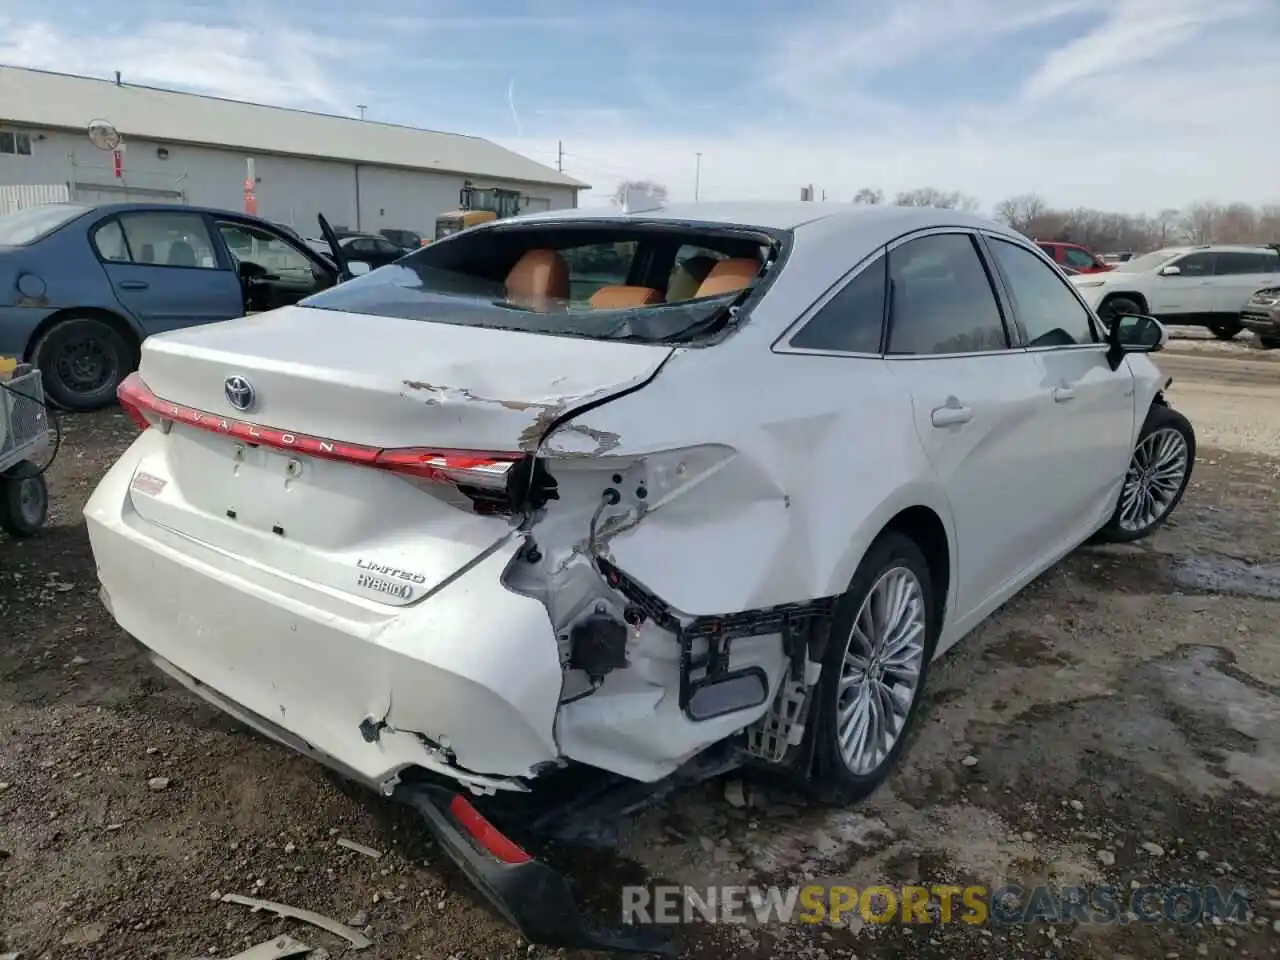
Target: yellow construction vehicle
<point>477,205</point>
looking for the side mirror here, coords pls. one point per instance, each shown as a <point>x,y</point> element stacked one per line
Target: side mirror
<point>1170,271</point>
<point>1133,333</point>
<point>357,268</point>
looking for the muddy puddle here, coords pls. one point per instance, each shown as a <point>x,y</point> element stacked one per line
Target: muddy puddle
<point>1146,571</point>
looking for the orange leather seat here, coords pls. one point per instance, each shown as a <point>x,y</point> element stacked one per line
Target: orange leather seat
<point>620,296</point>
<point>539,277</point>
<point>729,276</point>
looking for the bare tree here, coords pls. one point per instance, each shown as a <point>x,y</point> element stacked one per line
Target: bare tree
<point>1167,226</point>
<point>1022,211</point>
<point>933,197</point>
<point>646,188</point>
<point>1201,221</point>
<point>869,196</point>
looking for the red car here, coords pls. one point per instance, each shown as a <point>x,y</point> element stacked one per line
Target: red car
<point>1073,255</point>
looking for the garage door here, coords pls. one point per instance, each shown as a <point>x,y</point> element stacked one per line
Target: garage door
<point>535,204</point>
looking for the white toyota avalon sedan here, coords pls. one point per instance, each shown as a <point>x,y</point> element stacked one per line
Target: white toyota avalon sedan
<point>617,489</point>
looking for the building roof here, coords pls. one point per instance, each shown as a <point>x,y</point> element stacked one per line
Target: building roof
<point>43,99</point>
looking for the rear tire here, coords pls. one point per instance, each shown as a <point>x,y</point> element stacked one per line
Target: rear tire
<point>1225,329</point>
<point>1269,343</point>
<point>874,670</point>
<point>1159,471</point>
<point>82,360</point>
<point>24,500</point>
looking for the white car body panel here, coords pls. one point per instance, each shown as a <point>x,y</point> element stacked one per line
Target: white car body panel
<point>766,474</point>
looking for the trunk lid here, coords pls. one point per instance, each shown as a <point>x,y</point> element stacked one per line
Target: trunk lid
<point>361,384</point>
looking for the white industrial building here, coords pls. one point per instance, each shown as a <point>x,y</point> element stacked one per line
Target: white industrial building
<point>185,148</point>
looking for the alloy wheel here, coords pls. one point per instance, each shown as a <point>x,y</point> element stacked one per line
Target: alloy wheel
<point>881,670</point>
<point>1156,475</point>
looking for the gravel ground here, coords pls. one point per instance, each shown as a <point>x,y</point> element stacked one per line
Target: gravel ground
<point>1115,723</point>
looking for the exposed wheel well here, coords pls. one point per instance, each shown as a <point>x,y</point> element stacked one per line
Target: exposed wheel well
<point>114,320</point>
<point>1137,298</point>
<point>925,528</point>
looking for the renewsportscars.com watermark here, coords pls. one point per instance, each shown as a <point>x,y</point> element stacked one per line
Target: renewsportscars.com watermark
<point>837,903</point>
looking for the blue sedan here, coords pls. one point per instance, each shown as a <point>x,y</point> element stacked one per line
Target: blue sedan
<point>81,286</point>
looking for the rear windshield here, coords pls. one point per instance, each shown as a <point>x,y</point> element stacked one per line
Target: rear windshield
<point>25,226</point>
<point>610,281</point>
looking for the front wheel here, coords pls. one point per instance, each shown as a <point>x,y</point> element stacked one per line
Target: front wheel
<point>1119,307</point>
<point>1269,343</point>
<point>1158,474</point>
<point>82,360</point>
<point>1225,329</point>
<point>24,500</point>
<point>877,658</point>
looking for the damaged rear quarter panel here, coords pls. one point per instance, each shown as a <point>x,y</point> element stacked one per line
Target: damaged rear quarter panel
<point>822,454</point>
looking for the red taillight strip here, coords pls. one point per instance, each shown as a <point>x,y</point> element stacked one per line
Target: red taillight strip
<point>486,834</point>
<point>432,464</point>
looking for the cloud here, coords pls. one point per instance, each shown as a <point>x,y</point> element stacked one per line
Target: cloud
<point>1131,105</point>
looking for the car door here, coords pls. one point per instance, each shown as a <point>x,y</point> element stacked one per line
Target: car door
<point>274,270</point>
<point>386,251</point>
<point>1237,275</point>
<point>1186,293</point>
<point>1086,407</point>
<point>977,398</point>
<point>165,269</point>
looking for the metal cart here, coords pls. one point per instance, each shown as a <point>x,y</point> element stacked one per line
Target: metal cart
<point>24,438</point>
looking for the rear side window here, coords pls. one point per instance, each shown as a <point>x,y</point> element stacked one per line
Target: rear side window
<point>108,240</point>
<point>166,239</point>
<point>1240,263</point>
<point>851,321</point>
<point>941,299</point>
<point>1048,314</point>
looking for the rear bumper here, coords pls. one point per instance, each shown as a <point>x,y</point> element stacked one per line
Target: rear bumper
<point>529,894</point>
<point>464,684</point>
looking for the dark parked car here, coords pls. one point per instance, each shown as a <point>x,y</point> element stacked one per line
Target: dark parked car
<point>406,240</point>
<point>376,251</point>
<point>81,286</point>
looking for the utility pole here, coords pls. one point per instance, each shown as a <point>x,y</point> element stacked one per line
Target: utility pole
<point>362,108</point>
<point>697,176</point>
<point>560,155</point>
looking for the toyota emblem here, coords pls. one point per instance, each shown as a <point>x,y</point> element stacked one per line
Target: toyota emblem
<point>239,392</point>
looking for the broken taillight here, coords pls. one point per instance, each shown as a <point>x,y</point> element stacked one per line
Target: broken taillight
<point>473,468</point>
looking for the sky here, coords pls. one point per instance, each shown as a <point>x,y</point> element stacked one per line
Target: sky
<point>1126,105</point>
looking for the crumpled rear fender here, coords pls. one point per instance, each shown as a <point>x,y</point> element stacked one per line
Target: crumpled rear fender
<point>798,493</point>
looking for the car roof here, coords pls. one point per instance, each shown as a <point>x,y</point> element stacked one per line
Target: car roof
<point>770,215</point>
<point>104,209</point>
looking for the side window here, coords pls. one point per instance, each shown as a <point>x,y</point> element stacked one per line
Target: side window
<point>851,320</point>
<point>941,300</point>
<point>597,265</point>
<point>1078,259</point>
<point>260,253</point>
<point>1239,263</point>
<point>18,144</point>
<point>386,247</point>
<point>108,240</point>
<point>1048,314</point>
<point>169,240</point>
<point>1195,265</point>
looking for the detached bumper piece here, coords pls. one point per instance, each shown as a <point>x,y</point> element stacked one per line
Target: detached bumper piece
<point>532,896</point>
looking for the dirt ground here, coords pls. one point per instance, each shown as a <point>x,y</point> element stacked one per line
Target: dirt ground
<point>1119,722</point>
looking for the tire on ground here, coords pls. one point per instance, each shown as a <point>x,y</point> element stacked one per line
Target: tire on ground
<point>117,355</point>
<point>1158,417</point>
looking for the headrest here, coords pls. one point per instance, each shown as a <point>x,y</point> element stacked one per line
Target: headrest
<point>729,276</point>
<point>538,277</point>
<point>688,276</point>
<point>619,297</point>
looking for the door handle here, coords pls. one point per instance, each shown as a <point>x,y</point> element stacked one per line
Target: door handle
<point>950,416</point>
<point>1063,394</point>
<point>134,285</point>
